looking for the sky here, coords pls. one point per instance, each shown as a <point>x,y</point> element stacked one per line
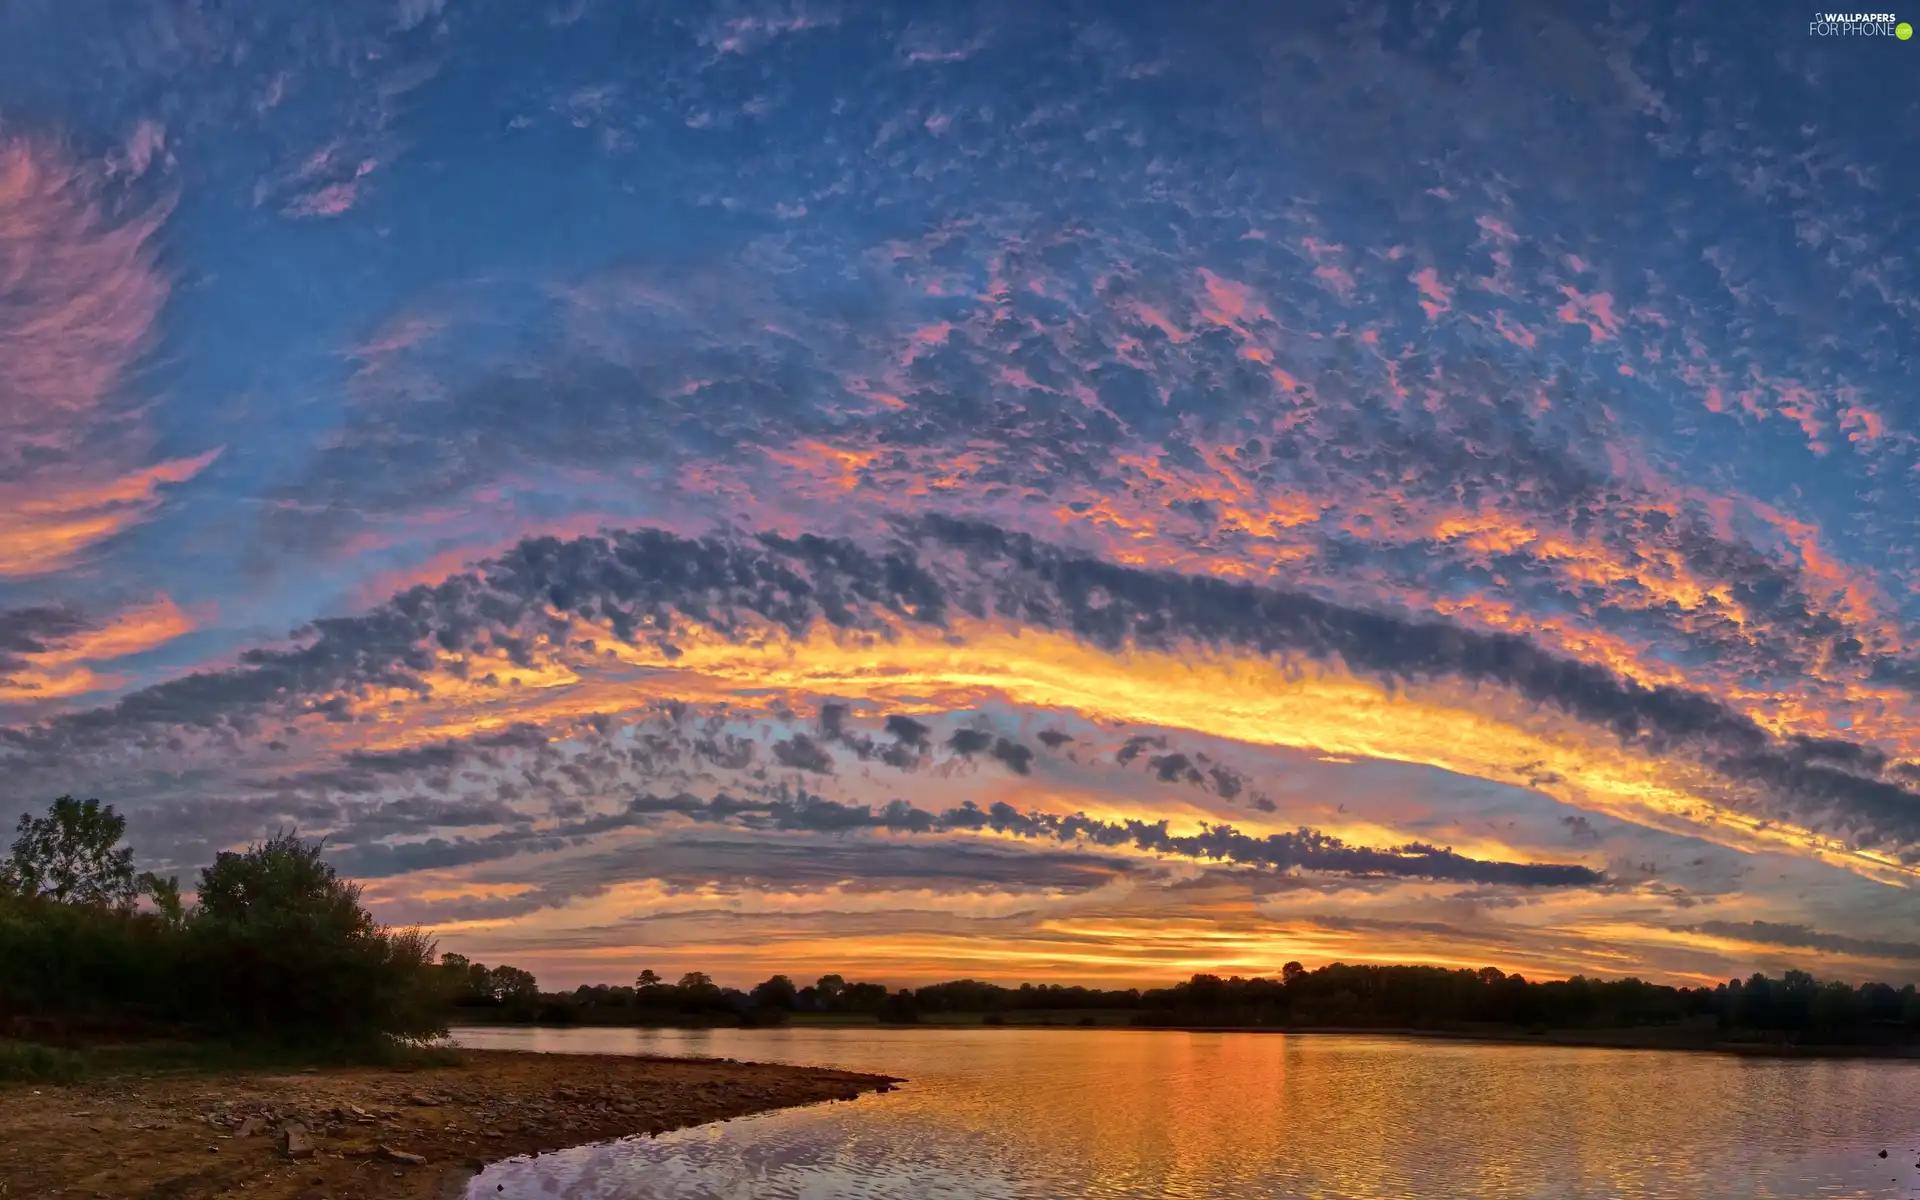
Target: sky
<point>1069,491</point>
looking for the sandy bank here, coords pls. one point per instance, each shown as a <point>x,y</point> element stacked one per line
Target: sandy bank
<point>190,1135</point>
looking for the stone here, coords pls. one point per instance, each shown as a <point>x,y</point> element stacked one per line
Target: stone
<point>422,1100</point>
<point>248,1127</point>
<point>294,1140</point>
<point>402,1157</point>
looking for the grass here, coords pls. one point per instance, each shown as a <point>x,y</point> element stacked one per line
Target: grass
<point>31,1062</point>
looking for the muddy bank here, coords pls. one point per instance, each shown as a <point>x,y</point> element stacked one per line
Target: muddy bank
<point>365,1133</point>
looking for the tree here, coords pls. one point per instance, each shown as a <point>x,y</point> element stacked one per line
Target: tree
<point>287,951</point>
<point>697,983</point>
<point>776,993</point>
<point>281,880</point>
<point>511,985</point>
<point>73,855</point>
<point>648,979</point>
<point>900,1008</point>
<point>165,894</point>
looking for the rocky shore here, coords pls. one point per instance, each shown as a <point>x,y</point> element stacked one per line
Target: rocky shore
<point>366,1133</point>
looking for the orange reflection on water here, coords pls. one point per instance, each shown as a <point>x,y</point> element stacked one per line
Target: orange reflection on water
<point>1020,1114</point>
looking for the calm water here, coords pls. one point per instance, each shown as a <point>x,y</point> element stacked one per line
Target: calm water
<point>998,1114</point>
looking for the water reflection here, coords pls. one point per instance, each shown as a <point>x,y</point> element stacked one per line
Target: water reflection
<point>1011,1113</point>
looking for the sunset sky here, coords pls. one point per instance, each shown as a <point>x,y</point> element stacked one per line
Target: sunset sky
<point>1073,491</point>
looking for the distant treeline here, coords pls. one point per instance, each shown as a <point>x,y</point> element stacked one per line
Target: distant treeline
<point>1796,1008</point>
<point>276,948</point>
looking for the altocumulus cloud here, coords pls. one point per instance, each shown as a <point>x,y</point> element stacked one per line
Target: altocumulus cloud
<point>648,587</point>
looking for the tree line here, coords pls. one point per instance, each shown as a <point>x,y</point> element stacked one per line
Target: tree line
<point>1796,1008</point>
<point>277,946</point>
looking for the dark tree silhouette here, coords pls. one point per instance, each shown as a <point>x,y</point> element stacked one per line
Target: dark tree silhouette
<point>73,855</point>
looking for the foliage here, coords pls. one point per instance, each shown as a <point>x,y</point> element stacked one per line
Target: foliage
<point>1794,1009</point>
<point>72,855</point>
<point>777,993</point>
<point>281,943</point>
<point>476,985</point>
<point>278,948</point>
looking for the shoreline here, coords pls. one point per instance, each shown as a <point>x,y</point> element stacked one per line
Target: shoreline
<point>408,1133</point>
<point>1649,1038</point>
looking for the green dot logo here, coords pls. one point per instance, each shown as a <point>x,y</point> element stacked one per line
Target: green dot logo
<point>1903,31</point>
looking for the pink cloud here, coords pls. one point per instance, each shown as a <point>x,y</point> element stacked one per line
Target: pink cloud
<point>1497,230</point>
<point>86,296</point>
<point>1337,278</point>
<point>1862,424</point>
<point>1327,267</point>
<point>145,145</point>
<point>1436,297</point>
<point>86,290</point>
<point>329,201</point>
<point>1226,302</point>
<point>1148,315</point>
<point>1594,311</point>
<point>1513,331</point>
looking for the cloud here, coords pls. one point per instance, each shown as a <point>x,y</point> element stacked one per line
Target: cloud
<point>329,201</point>
<point>82,302</point>
<point>641,585</point>
<point>28,632</point>
<point>1800,937</point>
<point>1303,849</point>
<point>80,307</point>
<point>411,13</point>
<point>1383,436</point>
<point>47,652</point>
<point>56,517</point>
<point>802,754</point>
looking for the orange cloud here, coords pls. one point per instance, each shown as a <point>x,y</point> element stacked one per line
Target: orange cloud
<point>52,522</point>
<point>1477,731</point>
<point>65,669</point>
<point>132,631</point>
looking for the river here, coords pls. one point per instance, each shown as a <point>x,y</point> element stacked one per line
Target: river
<point>1036,1114</point>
